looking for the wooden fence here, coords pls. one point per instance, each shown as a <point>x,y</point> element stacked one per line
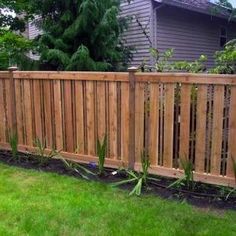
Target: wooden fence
<point>173,116</point>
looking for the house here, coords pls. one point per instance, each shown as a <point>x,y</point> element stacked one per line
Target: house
<point>190,27</point>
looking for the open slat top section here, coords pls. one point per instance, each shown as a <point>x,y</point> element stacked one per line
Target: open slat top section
<point>185,78</point>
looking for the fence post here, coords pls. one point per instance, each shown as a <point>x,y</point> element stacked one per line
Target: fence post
<point>12,99</point>
<point>132,82</point>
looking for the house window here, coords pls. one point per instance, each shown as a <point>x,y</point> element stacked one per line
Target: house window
<point>223,36</point>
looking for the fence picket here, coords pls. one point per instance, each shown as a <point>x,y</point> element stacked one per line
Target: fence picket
<point>200,149</point>
<point>139,121</point>
<point>168,125</point>
<point>154,123</point>
<point>217,129</point>
<point>3,114</point>
<point>28,113</point>
<point>113,119</point>
<point>185,122</point>
<point>90,117</point>
<point>232,134</point>
<point>58,115</point>
<point>79,111</point>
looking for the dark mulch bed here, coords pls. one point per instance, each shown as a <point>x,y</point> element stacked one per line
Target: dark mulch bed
<point>203,195</point>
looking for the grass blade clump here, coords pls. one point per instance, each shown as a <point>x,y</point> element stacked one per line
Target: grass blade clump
<point>43,155</point>
<point>13,140</point>
<point>76,167</point>
<point>139,178</point>
<point>187,179</point>
<point>101,152</point>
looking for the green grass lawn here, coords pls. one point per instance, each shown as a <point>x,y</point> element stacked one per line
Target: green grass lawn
<point>34,203</point>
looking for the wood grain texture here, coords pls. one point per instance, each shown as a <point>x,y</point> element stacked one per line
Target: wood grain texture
<point>19,112</point>
<point>232,134</point>
<point>154,123</point>
<point>3,114</point>
<point>79,110</point>
<point>28,113</point>
<point>113,120</point>
<point>185,121</point>
<point>69,137</point>
<point>58,115</point>
<point>90,117</point>
<point>168,125</point>
<point>217,129</point>
<point>139,121</point>
<point>200,149</point>
<point>101,110</point>
<point>38,110</point>
<point>48,113</point>
<point>124,121</point>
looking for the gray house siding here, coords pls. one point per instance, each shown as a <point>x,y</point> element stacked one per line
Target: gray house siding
<point>190,34</point>
<point>134,36</point>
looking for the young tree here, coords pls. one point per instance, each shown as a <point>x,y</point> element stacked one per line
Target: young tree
<point>81,35</point>
<point>13,50</point>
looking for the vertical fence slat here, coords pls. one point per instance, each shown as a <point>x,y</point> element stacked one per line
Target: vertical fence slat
<point>79,111</point>
<point>232,134</point>
<point>38,110</point>
<point>47,113</point>
<point>124,121</point>
<point>101,110</point>
<point>28,113</point>
<point>3,114</point>
<point>217,129</point>
<point>154,123</point>
<point>68,116</point>
<point>58,114</point>
<point>90,117</point>
<point>200,149</point>
<point>185,121</point>
<point>139,121</point>
<point>168,125</point>
<point>113,119</point>
<point>8,106</point>
<point>19,117</point>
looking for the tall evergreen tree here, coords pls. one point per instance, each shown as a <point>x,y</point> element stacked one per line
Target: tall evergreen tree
<point>81,34</point>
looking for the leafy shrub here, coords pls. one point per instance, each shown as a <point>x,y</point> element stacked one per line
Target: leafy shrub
<point>225,60</point>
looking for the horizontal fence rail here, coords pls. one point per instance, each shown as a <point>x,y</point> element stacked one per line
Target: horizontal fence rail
<point>175,117</point>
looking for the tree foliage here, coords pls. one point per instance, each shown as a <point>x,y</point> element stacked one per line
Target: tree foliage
<point>81,35</point>
<point>14,14</point>
<point>13,49</point>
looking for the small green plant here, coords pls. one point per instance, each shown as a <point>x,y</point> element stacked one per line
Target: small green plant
<point>13,140</point>
<point>187,179</point>
<point>139,178</point>
<point>101,152</point>
<point>42,153</point>
<point>76,167</point>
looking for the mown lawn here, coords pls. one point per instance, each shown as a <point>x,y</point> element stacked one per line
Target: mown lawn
<point>34,203</point>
